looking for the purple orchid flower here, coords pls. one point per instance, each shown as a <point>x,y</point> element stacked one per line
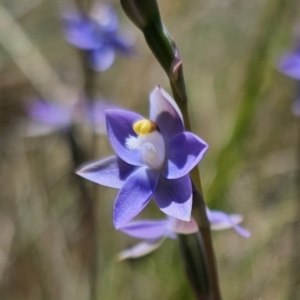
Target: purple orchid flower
<point>96,33</point>
<point>154,232</point>
<point>153,159</point>
<point>51,115</point>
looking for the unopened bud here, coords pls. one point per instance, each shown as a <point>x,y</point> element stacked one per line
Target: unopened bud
<point>142,12</point>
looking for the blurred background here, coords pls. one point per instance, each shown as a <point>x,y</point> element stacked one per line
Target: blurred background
<point>55,245</point>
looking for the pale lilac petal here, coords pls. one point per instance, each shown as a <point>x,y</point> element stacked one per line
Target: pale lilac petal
<point>140,249</point>
<point>289,64</point>
<point>105,17</point>
<point>102,58</point>
<point>111,172</point>
<point>134,196</point>
<point>242,231</point>
<point>50,113</point>
<point>119,129</point>
<point>174,197</point>
<point>146,229</point>
<point>182,227</point>
<point>220,220</point>
<point>183,153</point>
<point>165,112</point>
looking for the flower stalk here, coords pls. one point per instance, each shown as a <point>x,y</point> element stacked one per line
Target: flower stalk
<point>195,265</point>
<point>198,253</point>
<point>89,221</point>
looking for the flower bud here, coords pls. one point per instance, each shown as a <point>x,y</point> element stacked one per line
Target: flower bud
<point>145,15</point>
<point>142,12</point>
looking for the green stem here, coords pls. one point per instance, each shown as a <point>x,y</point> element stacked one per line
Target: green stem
<point>91,216</point>
<point>89,205</point>
<point>177,83</point>
<point>190,246</point>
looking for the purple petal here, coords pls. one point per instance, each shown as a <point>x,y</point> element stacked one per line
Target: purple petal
<point>79,30</point>
<point>119,128</point>
<point>289,64</point>
<point>140,249</point>
<point>165,112</point>
<point>134,196</point>
<point>111,172</point>
<point>50,113</point>
<point>183,153</point>
<point>102,58</point>
<point>146,229</point>
<point>122,44</point>
<point>174,197</point>
<point>220,220</point>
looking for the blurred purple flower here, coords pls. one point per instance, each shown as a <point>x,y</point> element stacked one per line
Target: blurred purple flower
<point>289,64</point>
<point>154,232</point>
<point>52,116</point>
<point>96,33</point>
<point>153,159</point>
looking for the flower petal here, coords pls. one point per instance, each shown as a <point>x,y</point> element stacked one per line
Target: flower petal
<point>183,152</point>
<point>289,64</point>
<point>182,227</point>
<point>122,44</point>
<point>140,249</point>
<point>50,113</point>
<point>242,231</point>
<point>80,30</point>
<point>165,112</point>
<point>174,197</point>
<point>119,128</point>
<point>220,220</point>
<point>105,17</point>
<point>111,172</point>
<point>134,195</point>
<point>146,229</point>
<point>102,58</point>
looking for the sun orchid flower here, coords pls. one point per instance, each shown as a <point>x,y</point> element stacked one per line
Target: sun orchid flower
<point>154,232</point>
<point>97,33</point>
<point>153,159</point>
<point>50,115</point>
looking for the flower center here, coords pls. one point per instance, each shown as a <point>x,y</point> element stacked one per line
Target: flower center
<point>150,143</point>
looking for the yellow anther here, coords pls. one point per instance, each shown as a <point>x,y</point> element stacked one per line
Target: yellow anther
<point>144,126</point>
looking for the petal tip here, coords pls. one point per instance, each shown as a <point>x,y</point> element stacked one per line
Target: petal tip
<point>79,171</point>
